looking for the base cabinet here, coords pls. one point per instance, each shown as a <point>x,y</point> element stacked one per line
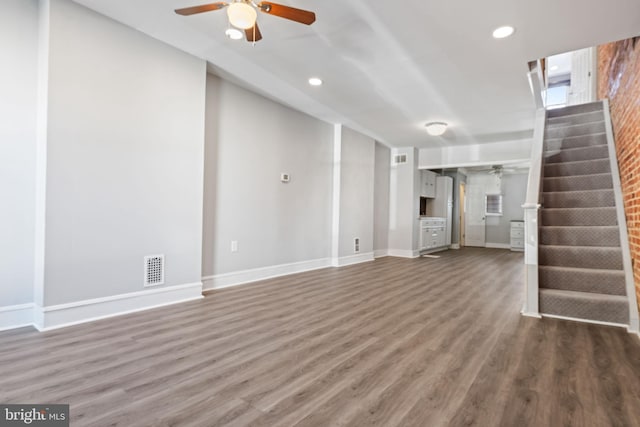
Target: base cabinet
<point>517,235</point>
<point>433,234</point>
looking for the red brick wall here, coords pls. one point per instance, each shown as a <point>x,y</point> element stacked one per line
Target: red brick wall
<point>619,80</point>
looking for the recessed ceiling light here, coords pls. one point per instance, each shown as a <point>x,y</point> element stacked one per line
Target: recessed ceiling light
<point>233,33</point>
<point>436,128</point>
<point>502,32</point>
<point>315,81</point>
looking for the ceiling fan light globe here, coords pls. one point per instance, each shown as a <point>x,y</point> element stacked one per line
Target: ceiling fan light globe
<point>241,15</point>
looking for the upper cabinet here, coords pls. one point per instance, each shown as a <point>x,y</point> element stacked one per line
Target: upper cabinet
<point>427,183</point>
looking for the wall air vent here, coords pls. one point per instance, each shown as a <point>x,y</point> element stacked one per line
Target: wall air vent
<point>400,159</point>
<point>356,245</point>
<point>153,270</point>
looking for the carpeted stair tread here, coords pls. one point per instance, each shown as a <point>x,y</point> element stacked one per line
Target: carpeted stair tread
<point>574,119</point>
<point>575,109</point>
<point>584,305</point>
<point>608,236</point>
<point>575,141</point>
<point>608,258</point>
<point>579,168</point>
<point>594,280</point>
<point>575,130</point>
<point>591,152</point>
<point>579,216</point>
<point>579,199</point>
<point>598,181</point>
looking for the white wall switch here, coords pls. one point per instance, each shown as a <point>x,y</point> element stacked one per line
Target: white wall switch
<point>234,246</point>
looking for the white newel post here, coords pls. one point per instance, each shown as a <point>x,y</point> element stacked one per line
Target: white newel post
<point>530,305</point>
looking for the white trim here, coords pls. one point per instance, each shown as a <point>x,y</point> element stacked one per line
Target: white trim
<point>352,259</point>
<point>404,253</point>
<point>235,278</point>
<point>61,315</point>
<point>575,319</point>
<point>455,246</point>
<point>16,316</point>
<point>497,245</point>
<point>380,253</point>
<point>531,314</point>
<point>634,323</point>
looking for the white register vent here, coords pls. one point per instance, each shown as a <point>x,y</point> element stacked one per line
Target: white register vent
<point>153,270</point>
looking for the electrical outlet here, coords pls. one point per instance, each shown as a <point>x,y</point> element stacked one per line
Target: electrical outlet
<point>234,246</point>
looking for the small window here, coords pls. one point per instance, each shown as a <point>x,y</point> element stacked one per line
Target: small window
<point>493,203</point>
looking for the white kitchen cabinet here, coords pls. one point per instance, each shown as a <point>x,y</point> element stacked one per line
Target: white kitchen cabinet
<point>517,235</point>
<point>428,183</point>
<point>433,234</point>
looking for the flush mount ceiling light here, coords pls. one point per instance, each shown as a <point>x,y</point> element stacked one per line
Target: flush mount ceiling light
<point>502,32</point>
<point>436,128</point>
<point>241,15</point>
<point>315,81</point>
<point>234,33</point>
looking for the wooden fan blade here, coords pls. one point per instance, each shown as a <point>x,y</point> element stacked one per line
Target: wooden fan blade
<point>199,9</point>
<point>286,12</point>
<point>249,33</point>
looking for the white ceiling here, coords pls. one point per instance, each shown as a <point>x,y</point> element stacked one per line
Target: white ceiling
<point>389,67</point>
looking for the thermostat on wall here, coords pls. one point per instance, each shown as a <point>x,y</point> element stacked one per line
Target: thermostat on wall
<point>285,177</point>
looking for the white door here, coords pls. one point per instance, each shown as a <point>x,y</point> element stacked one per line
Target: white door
<point>582,85</point>
<point>474,216</point>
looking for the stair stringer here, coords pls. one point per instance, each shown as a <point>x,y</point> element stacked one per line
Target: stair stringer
<point>634,324</point>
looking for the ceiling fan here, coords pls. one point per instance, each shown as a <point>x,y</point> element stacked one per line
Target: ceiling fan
<point>243,14</point>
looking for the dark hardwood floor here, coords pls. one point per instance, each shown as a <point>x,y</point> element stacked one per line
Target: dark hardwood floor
<point>395,342</point>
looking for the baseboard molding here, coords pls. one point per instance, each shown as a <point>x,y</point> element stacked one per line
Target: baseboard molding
<point>497,245</point>
<point>220,281</point>
<point>352,259</point>
<point>528,314</point>
<point>455,246</point>
<point>575,319</point>
<point>16,316</point>
<point>58,316</point>
<point>403,253</point>
<point>380,253</point>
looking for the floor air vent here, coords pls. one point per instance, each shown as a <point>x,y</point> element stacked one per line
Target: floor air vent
<point>153,270</point>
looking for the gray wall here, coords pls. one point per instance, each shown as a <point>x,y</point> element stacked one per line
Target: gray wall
<point>514,188</point>
<point>356,192</point>
<point>18,100</point>
<point>404,201</point>
<point>250,141</point>
<point>125,157</point>
<point>381,198</point>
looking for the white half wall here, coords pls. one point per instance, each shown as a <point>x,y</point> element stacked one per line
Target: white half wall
<point>18,109</point>
<point>125,158</point>
<point>250,142</point>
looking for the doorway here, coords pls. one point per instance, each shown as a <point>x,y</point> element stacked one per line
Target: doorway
<point>475,216</point>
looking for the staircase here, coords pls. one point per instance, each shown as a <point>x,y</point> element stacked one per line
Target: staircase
<point>580,264</point>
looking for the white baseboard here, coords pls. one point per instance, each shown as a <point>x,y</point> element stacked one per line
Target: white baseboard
<point>531,314</point>
<point>58,316</point>
<point>352,259</point>
<point>575,319</point>
<point>403,253</point>
<point>16,316</point>
<point>497,245</point>
<point>455,246</point>
<point>380,253</point>
<point>235,278</point>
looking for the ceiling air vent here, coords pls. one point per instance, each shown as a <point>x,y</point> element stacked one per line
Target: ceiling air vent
<point>400,159</point>
<point>153,270</point>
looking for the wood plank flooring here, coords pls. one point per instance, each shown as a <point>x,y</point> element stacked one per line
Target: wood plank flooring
<point>395,342</point>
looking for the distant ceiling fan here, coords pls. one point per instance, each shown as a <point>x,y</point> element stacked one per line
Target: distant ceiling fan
<point>243,14</point>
